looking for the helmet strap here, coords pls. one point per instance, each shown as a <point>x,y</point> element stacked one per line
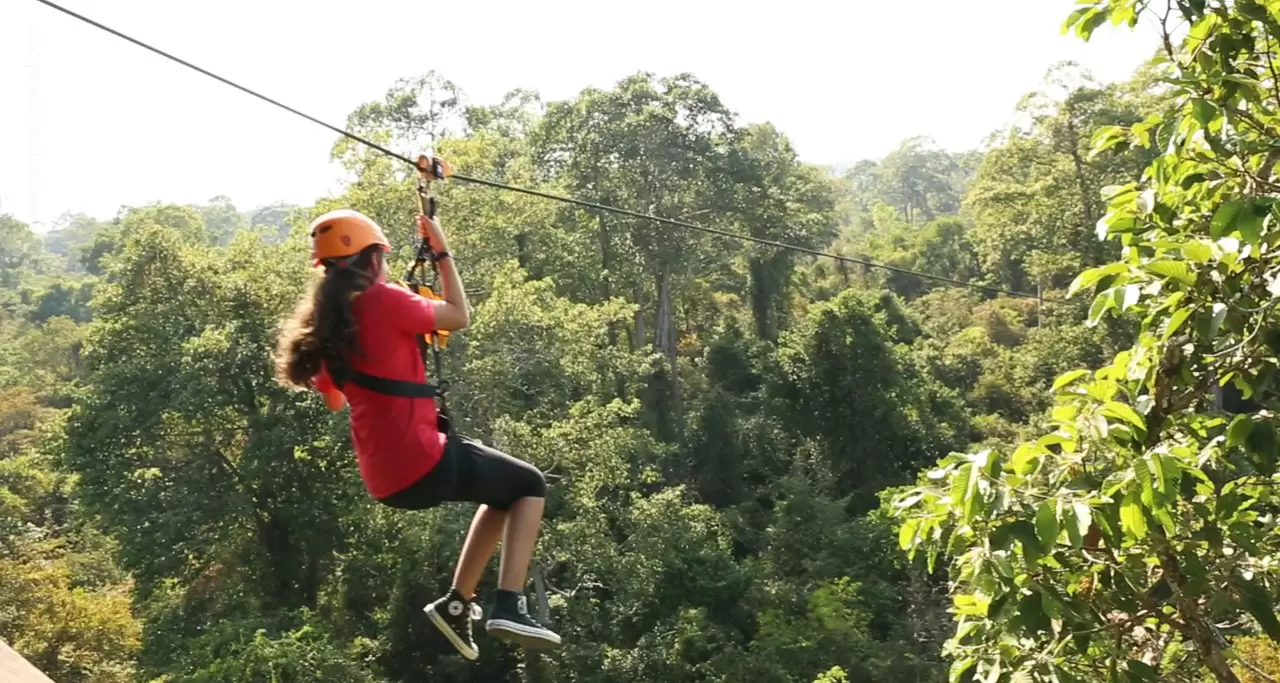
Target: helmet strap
<point>341,263</point>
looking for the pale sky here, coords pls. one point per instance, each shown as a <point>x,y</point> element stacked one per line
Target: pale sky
<point>90,122</point>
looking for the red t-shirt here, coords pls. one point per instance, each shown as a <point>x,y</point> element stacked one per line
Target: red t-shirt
<point>395,438</point>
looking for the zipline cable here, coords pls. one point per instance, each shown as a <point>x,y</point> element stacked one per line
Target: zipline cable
<point>547,195</point>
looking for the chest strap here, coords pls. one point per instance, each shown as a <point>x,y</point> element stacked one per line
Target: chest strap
<point>392,387</point>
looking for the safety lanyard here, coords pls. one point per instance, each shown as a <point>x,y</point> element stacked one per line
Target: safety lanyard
<point>430,168</point>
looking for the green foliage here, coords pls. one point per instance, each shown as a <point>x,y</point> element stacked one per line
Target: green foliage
<point>243,655</point>
<point>534,352</point>
<point>21,253</point>
<point>65,301</point>
<point>1260,658</point>
<point>1117,544</point>
<point>845,359</point>
<point>216,443</point>
<point>918,180</point>
<point>717,420</point>
<point>776,197</point>
<point>76,633</point>
<point>71,235</point>
<point>1035,198</point>
<point>63,602</point>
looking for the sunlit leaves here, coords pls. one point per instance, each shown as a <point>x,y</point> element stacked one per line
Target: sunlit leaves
<point>1047,524</point>
<point>78,632</point>
<point>1132,516</point>
<point>1090,277</point>
<point>1176,270</point>
<point>1138,470</point>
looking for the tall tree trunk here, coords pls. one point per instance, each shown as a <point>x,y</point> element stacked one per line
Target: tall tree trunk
<point>761,298</point>
<point>661,325</point>
<point>606,293</point>
<point>522,250</point>
<point>1209,645</point>
<point>1082,180</point>
<point>639,335</point>
<point>606,259</point>
<point>1195,625</point>
<point>665,341</point>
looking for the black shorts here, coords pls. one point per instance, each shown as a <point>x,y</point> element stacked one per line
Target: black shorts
<point>471,472</point>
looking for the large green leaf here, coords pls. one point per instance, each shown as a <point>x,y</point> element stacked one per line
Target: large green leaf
<point>1132,518</point>
<point>1175,321</point>
<point>1203,111</point>
<point>1249,225</point>
<point>959,668</point>
<point>1171,470</point>
<point>1092,276</point>
<point>907,534</point>
<point>1141,671</point>
<point>1047,524</point>
<point>965,491</point>
<point>1097,17</point>
<point>1124,412</point>
<point>1238,432</point>
<point>1025,458</point>
<point>1197,251</point>
<point>1052,608</point>
<point>1225,217</point>
<point>1082,519</point>
<point>1102,303</point>
<point>1263,445</point>
<point>1209,324</point>
<point>1177,270</point>
<point>1031,614</point>
<point>1068,377</point>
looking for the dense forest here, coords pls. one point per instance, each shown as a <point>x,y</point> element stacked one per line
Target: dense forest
<point>765,466</point>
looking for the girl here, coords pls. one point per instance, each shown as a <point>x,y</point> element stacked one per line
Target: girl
<point>354,338</point>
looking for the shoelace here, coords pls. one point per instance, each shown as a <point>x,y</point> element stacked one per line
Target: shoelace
<point>475,614</point>
<point>522,606</point>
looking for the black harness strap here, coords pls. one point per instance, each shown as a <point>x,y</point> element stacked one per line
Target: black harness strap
<point>392,387</point>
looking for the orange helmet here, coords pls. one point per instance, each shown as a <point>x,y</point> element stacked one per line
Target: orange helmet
<point>344,232</point>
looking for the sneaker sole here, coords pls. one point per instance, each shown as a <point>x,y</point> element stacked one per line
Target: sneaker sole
<point>466,650</point>
<point>532,639</point>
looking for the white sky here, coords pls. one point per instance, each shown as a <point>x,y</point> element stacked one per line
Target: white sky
<point>89,122</point>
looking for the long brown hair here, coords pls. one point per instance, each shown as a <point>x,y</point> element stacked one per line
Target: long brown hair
<point>322,329</point>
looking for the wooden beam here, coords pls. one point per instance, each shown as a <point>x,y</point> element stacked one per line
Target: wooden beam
<point>15,669</point>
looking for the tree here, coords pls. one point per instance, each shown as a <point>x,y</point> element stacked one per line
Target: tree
<point>775,197</point>
<point>21,252</point>
<point>69,237</point>
<point>222,220</point>
<point>64,604</point>
<point>181,414</point>
<point>78,633</point>
<point>843,383</point>
<point>1035,200</point>
<point>531,352</point>
<point>416,114</point>
<point>1137,539</point>
<point>654,145</point>
<point>920,181</point>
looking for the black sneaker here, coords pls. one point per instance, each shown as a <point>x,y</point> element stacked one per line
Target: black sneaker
<point>510,620</point>
<point>453,615</point>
